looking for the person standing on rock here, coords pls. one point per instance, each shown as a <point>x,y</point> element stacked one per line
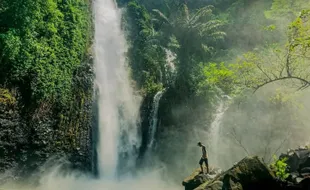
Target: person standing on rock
<point>204,157</point>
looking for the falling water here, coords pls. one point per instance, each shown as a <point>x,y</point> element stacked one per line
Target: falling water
<point>170,58</point>
<point>215,132</point>
<point>154,119</point>
<point>118,107</point>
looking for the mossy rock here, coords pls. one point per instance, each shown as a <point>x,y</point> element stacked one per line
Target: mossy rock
<point>250,172</point>
<point>196,178</point>
<point>215,185</point>
<point>6,97</point>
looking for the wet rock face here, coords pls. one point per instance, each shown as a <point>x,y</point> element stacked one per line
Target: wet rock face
<point>13,134</point>
<point>27,142</point>
<point>145,115</point>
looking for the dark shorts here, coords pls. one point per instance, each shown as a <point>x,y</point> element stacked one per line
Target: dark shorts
<point>203,160</point>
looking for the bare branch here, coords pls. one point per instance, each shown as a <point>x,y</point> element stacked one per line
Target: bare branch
<point>304,81</point>
<point>296,52</point>
<point>279,147</point>
<point>259,67</point>
<point>238,141</point>
<point>287,64</point>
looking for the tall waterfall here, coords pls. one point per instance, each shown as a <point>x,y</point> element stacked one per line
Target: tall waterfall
<point>118,107</point>
<point>154,119</point>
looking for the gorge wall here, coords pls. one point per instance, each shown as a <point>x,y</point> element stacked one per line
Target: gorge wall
<point>46,87</point>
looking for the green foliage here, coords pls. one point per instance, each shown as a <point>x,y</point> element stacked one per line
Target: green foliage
<point>270,28</point>
<point>220,76</point>
<point>146,57</point>
<point>6,97</point>
<point>246,24</point>
<point>298,36</point>
<point>42,43</point>
<point>192,36</point>
<point>288,63</point>
<point>45,81</point>
<point>207,35</point>
<point>280,167</point>
<point>194,33</point>
<point>286,9</point>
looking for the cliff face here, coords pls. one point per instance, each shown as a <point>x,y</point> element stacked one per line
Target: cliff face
<point>46,84</point>
<point>29,136</point>
<point>14,134</point>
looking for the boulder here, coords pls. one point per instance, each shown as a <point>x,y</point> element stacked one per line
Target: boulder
<point>297,159</point>
<point>215,185</point>
<point>294,177</point>
<point>249,173</point>
<point>305,170</point>
<point>298,162</point>
<point>197,178</point>
<point>305,184</point>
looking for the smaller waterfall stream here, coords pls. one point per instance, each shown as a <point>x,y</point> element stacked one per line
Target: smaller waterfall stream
<point>214,133</point>
<point>154,119</point>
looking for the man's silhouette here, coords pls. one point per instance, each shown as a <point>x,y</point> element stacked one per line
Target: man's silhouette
<point>204,157</point>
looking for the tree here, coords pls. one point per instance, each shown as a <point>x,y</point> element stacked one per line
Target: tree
<point>192,36</point>
<point>41,44</point>
<point>290,64</point>
<point>220,76</point>
<point>283,9</point>
<point>146,56</point>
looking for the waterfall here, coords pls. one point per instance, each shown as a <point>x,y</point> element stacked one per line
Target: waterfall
<point>118,107</point>
<point>170,69</point>
<point>170,58</point>
<point>154,119</point>
<point>214,132</point>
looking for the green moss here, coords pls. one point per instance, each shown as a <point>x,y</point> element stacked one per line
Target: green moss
<point>6,97</point>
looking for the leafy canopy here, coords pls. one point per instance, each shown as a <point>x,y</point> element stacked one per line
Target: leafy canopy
<point>41,44</point>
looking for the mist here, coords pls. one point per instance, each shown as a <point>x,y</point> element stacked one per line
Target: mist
<point>265,123</point>
<point>57,178</point>
<point>118,123</point>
